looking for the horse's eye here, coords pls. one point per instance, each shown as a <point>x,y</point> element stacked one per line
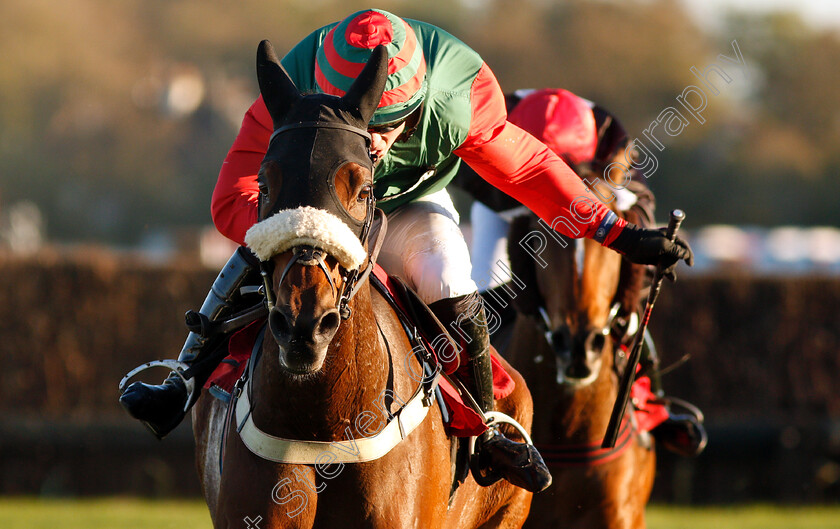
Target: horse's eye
<point>364,193</point>
<point>558,337</point>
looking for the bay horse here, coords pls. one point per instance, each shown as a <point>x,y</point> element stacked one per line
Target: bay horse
<point>564,351</point>
<point>301,444</point>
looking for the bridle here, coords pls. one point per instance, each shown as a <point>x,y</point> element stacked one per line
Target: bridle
<point>352,280</point>
<point>306,255</point>
<point>562,348</point>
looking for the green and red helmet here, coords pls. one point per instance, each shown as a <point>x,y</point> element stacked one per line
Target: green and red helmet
<point>347,47</point>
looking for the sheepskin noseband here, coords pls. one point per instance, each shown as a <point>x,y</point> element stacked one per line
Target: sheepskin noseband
<point>306,226</point>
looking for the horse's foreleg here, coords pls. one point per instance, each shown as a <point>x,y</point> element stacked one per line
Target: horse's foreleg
<point>208,418</point>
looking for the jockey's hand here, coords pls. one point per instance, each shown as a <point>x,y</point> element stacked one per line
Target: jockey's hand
<point>652,247</point>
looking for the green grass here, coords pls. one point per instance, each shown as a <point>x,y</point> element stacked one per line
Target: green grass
<point>105,513</point>
<point>744,517</point>
<point>127,513</point>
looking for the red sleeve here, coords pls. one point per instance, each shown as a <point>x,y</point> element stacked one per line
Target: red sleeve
<point>236,196</point>
<point>518,164</point>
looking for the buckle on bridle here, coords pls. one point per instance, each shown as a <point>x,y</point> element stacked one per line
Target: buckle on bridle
<point>348,289</point>
<point>344,309</point>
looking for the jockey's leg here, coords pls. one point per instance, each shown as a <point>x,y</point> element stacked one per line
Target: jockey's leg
<point>426,248</point>
<point>490,260</point>
<point>496,455</point>
<point>489,245</point>
<point>682,432</point>
<point>162,407</point>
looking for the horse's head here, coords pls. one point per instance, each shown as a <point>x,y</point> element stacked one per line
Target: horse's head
<point>571,298</point>
<point>315,206</point>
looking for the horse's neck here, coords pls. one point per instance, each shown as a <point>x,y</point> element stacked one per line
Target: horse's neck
<point>322,406</point>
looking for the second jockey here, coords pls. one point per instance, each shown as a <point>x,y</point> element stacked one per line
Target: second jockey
<point>589,139</point>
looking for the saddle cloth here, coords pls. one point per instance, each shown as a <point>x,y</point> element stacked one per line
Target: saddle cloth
<point>649,412</point>
<point>463,421</point>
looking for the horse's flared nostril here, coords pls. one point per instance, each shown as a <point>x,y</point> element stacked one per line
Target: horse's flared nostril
<point>279,324</point>
<point>328,323</point>
<point>596,342</point>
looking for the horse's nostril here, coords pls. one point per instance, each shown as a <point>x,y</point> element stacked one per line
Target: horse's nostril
<point>558,340</point>
<point>329,322</point>
<point>598,342</point>
<point>576,370</point>
<point>279,323</point>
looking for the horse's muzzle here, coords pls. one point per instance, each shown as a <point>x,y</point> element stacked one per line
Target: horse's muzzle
<point>303,341</point>
<point>580,364</point>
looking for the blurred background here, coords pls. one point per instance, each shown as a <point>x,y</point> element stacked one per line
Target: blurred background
<point>115,118</point>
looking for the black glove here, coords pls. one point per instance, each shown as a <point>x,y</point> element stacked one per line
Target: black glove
<point>652,247</point>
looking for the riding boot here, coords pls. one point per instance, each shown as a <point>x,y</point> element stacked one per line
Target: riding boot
<point>162,407</point>
<point>496,456</point>
<point>681,433</point>
<point>498,301</point>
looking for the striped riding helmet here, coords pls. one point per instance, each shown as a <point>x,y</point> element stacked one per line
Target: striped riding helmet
<point>561,120</point>
<point>347,47</point>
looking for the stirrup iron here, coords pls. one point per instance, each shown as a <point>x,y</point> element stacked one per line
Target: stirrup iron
<point>494,418</point>
<point>176,367</point>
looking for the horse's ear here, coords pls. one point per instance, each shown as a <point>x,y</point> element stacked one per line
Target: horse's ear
<point>366,90</point>
<point>277,88</point>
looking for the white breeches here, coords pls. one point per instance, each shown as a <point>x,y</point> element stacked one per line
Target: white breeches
<point>425,247</point>
<point>489,244</point>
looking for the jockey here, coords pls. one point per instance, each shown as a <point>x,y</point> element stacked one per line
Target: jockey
<point>588,138</point>
<point>441,105</point>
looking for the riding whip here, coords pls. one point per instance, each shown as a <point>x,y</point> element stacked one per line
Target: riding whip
<point>629,376</point>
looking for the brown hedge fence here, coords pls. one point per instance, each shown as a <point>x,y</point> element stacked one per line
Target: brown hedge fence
<point>765,368</point>
<point>71,325</point>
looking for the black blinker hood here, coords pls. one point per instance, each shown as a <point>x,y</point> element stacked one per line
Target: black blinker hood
<point>315,135</point>
<point>309,153</point>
